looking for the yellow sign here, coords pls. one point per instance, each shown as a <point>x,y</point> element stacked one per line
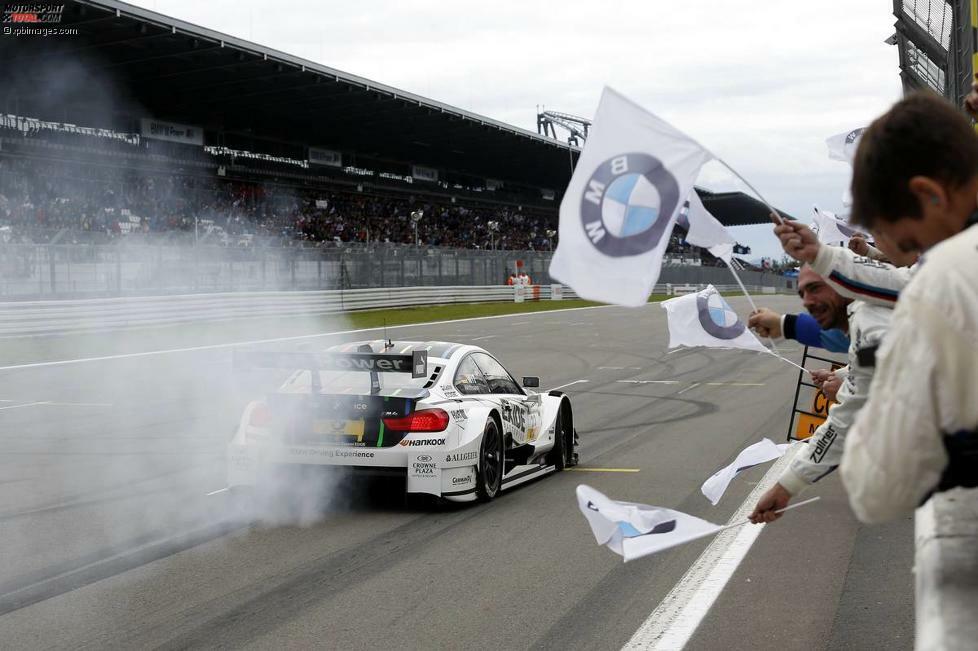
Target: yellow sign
<point>807,424</point>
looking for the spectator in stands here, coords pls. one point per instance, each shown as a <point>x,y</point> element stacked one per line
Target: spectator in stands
<point>915,183</point>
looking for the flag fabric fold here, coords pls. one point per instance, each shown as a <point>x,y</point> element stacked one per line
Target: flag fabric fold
<point>831,230</point>
<point>706,319</point>
<point>622,201</point>
<point>635,530</point>
<point>842,146</point>
<point>761,452</point>
<point>705,231</point>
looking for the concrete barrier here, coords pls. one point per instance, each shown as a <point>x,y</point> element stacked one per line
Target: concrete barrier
<point>946,571</point>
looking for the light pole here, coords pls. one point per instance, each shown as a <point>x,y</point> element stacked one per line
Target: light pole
<point>493,227</point>
<point>416,217</point>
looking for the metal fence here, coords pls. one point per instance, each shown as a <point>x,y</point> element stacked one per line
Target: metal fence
<point>88,270</point>
<point>936,45</point>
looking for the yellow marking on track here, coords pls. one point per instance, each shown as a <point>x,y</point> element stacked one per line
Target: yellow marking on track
<point>605,469</point>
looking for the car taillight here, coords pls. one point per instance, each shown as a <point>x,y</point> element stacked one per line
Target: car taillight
<point>425,420</point>
<point>260,416</point>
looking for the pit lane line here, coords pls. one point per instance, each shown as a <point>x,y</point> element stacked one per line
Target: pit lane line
<point>671,625</point>
<point>190,349</point>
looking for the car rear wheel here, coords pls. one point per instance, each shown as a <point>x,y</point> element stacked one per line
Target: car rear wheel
<point>490,475</point>
<point>562,454</point>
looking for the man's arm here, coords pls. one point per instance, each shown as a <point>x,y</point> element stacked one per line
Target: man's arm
<point>894,454</point>
<point>860,278</point>
<point>849,274</point>
<point>802,327</point>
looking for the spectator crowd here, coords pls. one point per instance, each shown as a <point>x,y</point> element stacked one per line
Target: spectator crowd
<point>39,198</point>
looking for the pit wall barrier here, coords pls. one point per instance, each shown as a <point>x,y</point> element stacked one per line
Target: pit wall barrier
<point>52,317</point>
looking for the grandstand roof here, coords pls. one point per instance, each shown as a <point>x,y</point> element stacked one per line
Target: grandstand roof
<point>153,65</point>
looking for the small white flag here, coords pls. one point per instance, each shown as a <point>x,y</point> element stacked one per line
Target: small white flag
<point>636,530</point>
<point>705,319</point>
<point>621,203</point>
<point>705,231</point>
<point>843,146</point>
<point>761,452</point>
<point>831,230</point>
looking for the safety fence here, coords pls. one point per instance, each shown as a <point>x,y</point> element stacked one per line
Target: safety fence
<point>36,271</point>
<point>25,318</point>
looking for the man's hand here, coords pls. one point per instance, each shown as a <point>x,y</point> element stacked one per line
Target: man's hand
<point>828,381</point>
<point>797,240</point>
<point>820,375</point>
<point>774,499</point>
<point>857,243</point>
<point>765,322</point>
<point>831,386</point>
<point>971,101</point>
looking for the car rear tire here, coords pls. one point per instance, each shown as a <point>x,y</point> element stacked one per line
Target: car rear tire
<point>563,451</point>
<point>489,479</point>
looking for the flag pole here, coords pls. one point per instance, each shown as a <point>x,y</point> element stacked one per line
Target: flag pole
<point>775,352</point>
<point>787,508</point>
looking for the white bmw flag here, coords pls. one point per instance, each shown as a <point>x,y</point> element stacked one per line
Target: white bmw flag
<point>705,231</point>
<point>621,203</point>
<point>842,146</point>
<point>831,230</point>
<point>636,530</point>
<point>761,452</point>
<point>705,319</point>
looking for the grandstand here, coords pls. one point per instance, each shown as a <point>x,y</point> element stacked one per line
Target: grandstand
<point>141,127</point>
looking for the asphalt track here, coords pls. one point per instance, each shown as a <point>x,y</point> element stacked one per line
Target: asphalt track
<point>114,533</point>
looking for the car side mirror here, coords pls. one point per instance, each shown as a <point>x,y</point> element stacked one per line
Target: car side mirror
<point>531,382</point>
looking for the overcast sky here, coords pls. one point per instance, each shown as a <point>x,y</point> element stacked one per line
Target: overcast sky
<point>761,83</point>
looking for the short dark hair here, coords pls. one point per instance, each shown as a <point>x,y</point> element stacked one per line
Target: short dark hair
<point>921,135</point>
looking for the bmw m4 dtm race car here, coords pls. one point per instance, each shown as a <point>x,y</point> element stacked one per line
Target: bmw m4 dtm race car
<point>448,417</point>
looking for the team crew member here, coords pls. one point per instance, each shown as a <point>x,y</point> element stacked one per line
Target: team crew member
<point>865,325</point>
<point>915,181</point>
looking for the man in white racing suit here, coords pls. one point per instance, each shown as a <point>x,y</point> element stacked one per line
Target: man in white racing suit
<point>915,181</point>
<point>877,285</point>
<point>866,325</point>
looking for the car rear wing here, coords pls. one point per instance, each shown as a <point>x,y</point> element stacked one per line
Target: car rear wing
<point>416,363</point>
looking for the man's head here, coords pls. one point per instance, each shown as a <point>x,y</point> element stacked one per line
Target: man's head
<point>821,301</point>
<point>915,175</point>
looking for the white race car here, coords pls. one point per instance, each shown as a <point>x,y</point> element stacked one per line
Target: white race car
<point>446,416</point>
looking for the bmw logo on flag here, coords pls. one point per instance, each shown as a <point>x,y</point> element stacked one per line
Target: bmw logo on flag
<point>718,318</point>
<point>627,204</point>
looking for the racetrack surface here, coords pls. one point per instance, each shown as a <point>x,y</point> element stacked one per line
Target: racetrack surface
<point>116,534</point>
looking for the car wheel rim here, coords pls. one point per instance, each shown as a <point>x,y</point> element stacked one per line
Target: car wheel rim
<point>490,460</point>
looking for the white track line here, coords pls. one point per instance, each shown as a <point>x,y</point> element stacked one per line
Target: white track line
<point>219,490</point>
<point>647,381</point>
<point>191,349</point>
<point>484,338</point>
<point>689,388</point>
<point>569,384</point>
<point>26,404</point>
<point>673,622</point>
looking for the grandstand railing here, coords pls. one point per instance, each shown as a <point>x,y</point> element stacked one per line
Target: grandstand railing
<point>34,271</point>
<point>27,318</point>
